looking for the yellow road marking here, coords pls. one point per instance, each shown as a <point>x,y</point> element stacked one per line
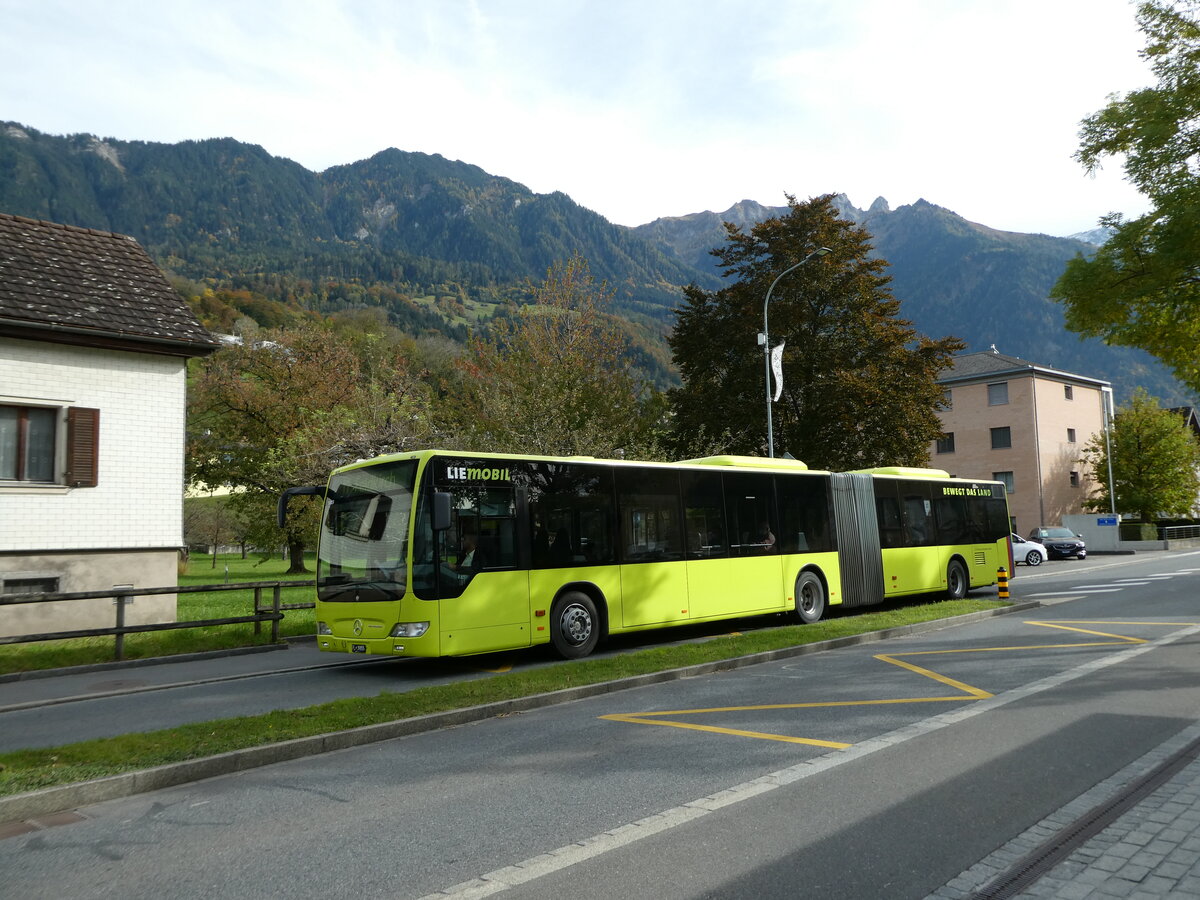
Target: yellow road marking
<point>975,693</point>
<point>834,745</point>
<point>970,692</point>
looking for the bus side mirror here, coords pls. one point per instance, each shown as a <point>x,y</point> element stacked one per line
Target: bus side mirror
<point>441,510</point>
<point>281,513</point>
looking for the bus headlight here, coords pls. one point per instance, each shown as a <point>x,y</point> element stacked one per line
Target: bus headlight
<point>322,628</point>
<point>408,629</point>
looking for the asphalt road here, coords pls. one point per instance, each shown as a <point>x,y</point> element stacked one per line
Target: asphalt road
<point>881,770</point>
<point>113,700</point>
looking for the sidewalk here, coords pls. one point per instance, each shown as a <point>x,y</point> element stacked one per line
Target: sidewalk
<point>1135,835</point>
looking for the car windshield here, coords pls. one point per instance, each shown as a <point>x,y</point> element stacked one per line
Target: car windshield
<point>364,533</point>
<point>1058,533</point>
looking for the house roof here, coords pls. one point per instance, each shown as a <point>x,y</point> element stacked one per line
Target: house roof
<point>1189,416</point>
<point>991,364</point>
<point>74,285</point>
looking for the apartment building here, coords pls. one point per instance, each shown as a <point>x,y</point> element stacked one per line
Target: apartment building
<point>1015,421</point>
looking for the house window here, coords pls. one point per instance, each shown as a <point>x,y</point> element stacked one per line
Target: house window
<point>36,584</point>
<point>998,394</point>
<point>32,441</point>
<point>1070,435</point>
<point>1068,392</point>
<point>945,443</point>
<point>1006,477</point>
<point>1001,438</point>
<point>27,443</point>
<point>1074,479</point>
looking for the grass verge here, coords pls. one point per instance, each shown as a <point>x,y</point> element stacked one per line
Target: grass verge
<point>28,770</point>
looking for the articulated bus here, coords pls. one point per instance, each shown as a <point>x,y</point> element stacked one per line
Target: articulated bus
<point>436,553</point>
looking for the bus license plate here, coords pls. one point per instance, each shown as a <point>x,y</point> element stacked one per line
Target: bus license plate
<point>358,648</point>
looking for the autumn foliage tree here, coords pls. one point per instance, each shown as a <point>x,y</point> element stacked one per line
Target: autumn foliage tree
<point>554,378</point>
<point>285,407</point>
<point>859,383</point>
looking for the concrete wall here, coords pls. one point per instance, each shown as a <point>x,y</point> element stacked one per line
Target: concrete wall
<point>95,571</point>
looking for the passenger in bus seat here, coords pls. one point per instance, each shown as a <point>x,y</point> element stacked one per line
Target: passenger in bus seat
<point>766,538</point>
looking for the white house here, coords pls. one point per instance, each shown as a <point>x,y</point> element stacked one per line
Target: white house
<point>94,346</point>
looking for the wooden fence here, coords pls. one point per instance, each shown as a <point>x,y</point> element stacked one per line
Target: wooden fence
<point>272,612</point>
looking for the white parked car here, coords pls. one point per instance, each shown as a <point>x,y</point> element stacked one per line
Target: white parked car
<point>1029,552</point>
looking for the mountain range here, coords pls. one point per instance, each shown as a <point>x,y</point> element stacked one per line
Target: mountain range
<point>441,245</point>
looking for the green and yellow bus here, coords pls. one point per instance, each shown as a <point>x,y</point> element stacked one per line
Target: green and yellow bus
<point>437,553</point>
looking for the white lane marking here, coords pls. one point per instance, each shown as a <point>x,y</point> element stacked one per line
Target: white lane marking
<point>1110,585</point>
<point>1075,592</point>
<point>564,857</point>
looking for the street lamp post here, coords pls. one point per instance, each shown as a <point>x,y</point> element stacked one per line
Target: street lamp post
<point>764,340</point>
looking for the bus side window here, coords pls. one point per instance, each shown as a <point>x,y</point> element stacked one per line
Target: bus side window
<point>704,514</point>
<point>887,510</point>
<point>570,514</point>
<point>918,518</point>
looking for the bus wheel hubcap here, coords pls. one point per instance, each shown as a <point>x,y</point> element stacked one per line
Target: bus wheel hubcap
<point>576,624</point>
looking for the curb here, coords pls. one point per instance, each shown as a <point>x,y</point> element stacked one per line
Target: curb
<point>55,799</point>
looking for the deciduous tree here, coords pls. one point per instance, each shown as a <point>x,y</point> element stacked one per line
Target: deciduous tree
<point>286,407</point>
<point>1155,461</point>
<point>859,383</point>
<point>554,378</point>
<point>1142,288</point>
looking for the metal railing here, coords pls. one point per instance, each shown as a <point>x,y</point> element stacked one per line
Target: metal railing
<point>122,596</point>
<point>1178,532</point>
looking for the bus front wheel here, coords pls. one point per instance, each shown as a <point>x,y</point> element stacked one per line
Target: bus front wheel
<point>810,598</point>
<point>957,583</point>
<point>574,625</point>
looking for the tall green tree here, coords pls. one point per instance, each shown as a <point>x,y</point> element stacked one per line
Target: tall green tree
<point>859,383</point>
<point>285,407</point>
<point>555,377</point>
<point>1155,462</point>
<point>1142,288</point>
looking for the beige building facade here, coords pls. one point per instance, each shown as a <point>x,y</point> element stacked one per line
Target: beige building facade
<point>1024,424</point>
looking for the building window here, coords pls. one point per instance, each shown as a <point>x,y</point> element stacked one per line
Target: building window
<point>1006,477</point>
<point>1074,479</point>
<point>36,584</point>
<point>1068,392</point>
<point>945,443</point>
<point>28,439</point>
<point>1001,438</point>
<point>948,399</point>
<point>32,441</point>
<point>1070,435</point>
<point>998,394</point>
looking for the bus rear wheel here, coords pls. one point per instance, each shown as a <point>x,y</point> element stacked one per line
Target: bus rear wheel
<point>574,625</point>
<point>957,583</point>
<point>810,598</point>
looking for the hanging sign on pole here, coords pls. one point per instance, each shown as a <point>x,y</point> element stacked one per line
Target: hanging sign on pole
<point>777,370</point>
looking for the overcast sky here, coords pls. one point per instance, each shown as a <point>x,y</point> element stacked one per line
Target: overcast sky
<point>635,108</point>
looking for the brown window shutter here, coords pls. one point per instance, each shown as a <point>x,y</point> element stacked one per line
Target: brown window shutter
<point>83,446</point>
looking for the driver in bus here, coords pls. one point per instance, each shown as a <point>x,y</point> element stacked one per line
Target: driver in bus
<point>472,560</point>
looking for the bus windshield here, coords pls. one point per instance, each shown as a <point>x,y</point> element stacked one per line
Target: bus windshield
<point>363,549</point>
